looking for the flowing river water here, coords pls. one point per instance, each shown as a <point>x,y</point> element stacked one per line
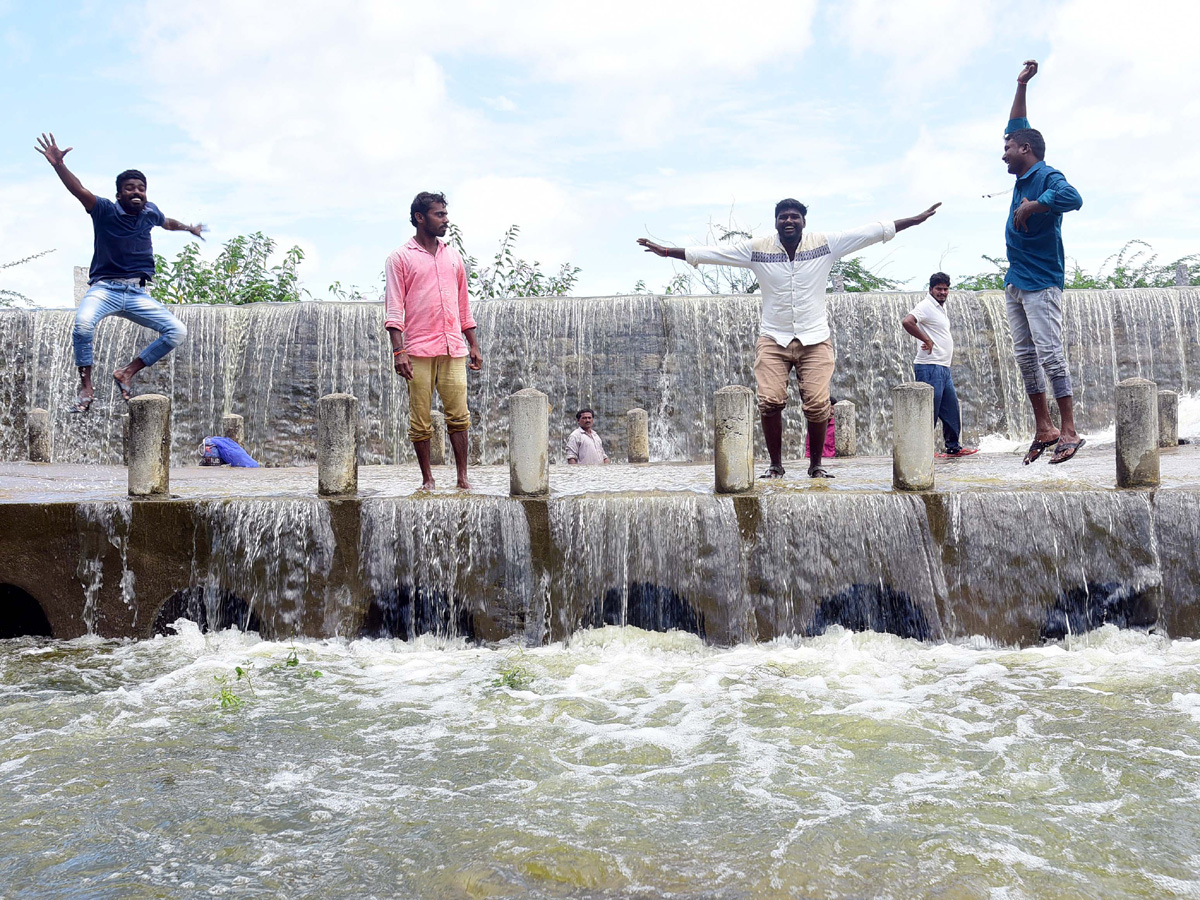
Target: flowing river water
<point>620,764</point>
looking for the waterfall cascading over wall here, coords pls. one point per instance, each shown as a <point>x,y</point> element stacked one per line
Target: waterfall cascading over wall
<point>271,362</point>
<point>1015,567</point>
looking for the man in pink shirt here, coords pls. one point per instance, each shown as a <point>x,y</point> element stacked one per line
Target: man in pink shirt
<point>429,321</point>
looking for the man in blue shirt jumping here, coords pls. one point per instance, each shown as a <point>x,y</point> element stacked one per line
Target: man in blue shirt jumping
<point>1036,275</point>
<point>122,266</point>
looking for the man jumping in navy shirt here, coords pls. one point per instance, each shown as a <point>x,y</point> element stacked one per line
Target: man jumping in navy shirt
<point>122,266</point>
<point>1036,276</point>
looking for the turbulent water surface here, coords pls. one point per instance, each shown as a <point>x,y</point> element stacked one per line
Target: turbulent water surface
<point>622,764</point>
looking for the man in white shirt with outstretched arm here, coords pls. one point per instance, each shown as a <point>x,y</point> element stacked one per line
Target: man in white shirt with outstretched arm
<point>792,268</point>
<point>929,324</point>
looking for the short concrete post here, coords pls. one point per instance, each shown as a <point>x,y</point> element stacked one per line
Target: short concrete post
<point>845,430</point>
<point>125,439</point>
<point>529,444</point>
<point>1182,278</point>
<point>233,427</point>
<point>912,437</point>
<point>637,423</point>
<point>1137,433</point>
<point>734,439</point>
<point>39,435</point>
<point>1168,419</point>
<point>437,443</point>
<point>150,446</point>
<point>337,445</point>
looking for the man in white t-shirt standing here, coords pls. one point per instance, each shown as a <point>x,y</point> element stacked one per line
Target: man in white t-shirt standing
<point>930,325</point>
<point>584,447</point>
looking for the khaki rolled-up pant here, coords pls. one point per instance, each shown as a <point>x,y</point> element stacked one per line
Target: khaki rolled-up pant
<point>449,375</point>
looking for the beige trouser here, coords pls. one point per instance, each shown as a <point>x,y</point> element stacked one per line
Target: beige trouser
<point>449,375</point>
<point>814,370</point>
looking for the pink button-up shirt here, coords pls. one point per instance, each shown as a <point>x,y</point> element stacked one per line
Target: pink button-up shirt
<point>426,298</point>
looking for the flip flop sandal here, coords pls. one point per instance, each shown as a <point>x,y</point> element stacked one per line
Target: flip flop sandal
<point>774,472</point>
<point>1037,448</point>
<point>126,392</point>
<point>819,472</point>
<point>1065,451</point>
<point>82,405</point>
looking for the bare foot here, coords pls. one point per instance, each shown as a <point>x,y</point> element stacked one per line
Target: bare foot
<point>83,399</point>
<point>427,484</point>
<point>463,484</point>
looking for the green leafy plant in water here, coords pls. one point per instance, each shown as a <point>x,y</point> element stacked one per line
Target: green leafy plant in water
<point>227,697</point>
<point>292,661</point>
<point>514,674</point>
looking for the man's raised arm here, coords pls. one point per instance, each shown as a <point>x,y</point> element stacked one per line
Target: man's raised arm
<point>660,250</point>
<point>176,225</point>
<point>901,224</point>
<point>1018,105</point>
<point>49,149</point>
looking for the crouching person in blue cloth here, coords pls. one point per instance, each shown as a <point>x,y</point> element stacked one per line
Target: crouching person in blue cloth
<point>225,451</point>
<point>122,266</point>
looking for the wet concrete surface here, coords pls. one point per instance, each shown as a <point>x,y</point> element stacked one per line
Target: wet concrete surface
<point>1094,468</point>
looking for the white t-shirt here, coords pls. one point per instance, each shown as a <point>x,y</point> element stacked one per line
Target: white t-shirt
<point>932,318</point>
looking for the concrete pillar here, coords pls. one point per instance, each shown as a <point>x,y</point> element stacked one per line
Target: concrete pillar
<point>39,435</point>
<point>149,446</point>
<point>912,437</point>
<point>529,444</point>
<point>637,423</point>
<point>233,426</point>
<point>1182,278</point>
<point>81,282</point>
<point>337,445</point>
<point>1137,433</point>
<point>1168,419</point>
<point>437,443</point>
<point>845,429</point>
<point>734,439</point>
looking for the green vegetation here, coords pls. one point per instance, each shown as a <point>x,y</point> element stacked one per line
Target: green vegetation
<point>9,297</point>
<point>240,274</point>
<point>1135,265</point>
<point>227,696</point>
<point>510,276</point>
<point>513,673</point>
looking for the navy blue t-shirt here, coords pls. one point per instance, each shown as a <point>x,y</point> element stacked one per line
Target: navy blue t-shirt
<point>123,247</point>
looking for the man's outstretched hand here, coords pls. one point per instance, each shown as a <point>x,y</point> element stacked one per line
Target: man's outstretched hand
<point>651,247</point>
<point>901,224</point>
<point>48,147</point>
<point>1028,72</point>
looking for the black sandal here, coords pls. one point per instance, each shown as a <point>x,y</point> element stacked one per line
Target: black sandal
<point>774,472</point>
<point>1037,448</point>
<point>819,472</point>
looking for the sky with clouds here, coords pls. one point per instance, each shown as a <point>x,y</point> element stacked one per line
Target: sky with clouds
<point>593,125</point>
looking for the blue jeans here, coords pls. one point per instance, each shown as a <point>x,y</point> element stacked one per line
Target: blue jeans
<point>115,298</point>
<point>1035,320</point>
<point>945,402</point>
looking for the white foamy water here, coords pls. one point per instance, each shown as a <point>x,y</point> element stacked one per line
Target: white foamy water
<point>623,764</point>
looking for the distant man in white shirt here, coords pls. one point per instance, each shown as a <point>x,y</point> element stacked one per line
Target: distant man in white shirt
<point>584,446</point>
<point>792,268</point>
<point>929,324</point>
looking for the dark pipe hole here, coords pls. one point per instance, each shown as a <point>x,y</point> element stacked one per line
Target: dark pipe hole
<point>211,610</point>
<point>407,613</point>
<point>21,615</point>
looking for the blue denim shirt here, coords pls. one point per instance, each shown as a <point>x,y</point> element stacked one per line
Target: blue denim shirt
<point>122,248</point>
<point>1035,256</point>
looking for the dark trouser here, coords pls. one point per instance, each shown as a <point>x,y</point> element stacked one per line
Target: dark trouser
<point>945,402</point>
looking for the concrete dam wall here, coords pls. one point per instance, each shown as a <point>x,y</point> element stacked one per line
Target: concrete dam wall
<point>270,364</point>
